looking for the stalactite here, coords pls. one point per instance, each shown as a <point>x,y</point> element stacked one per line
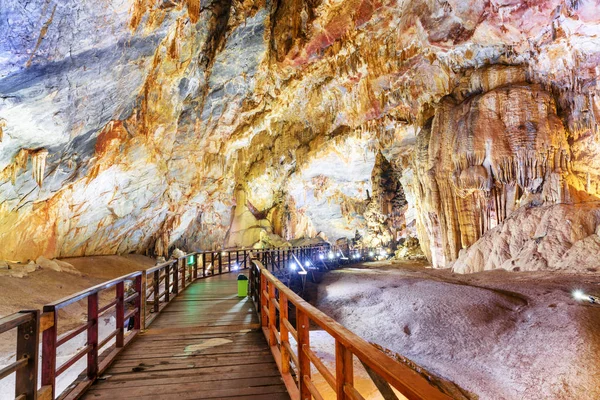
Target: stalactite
<point>193,7</point>
<point>3,124</point>
<point>38,161</point>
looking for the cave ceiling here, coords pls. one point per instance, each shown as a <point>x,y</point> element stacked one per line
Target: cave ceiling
<point>142,125</point>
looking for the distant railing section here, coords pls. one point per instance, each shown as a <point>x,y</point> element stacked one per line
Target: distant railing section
<point>274,301</point>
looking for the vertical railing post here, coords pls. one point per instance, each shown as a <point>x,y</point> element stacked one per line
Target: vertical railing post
<point>120,311</point>
<point>138,303</point>
<point>263,301</point>
<point>49,352</point>
<point>156,284</point>
<point>92,336</point>
<point>176,277</point>
<point>195,266</point>
<point>27,347</point>
<point>344,374</point>
<point>245,260</point>
<point>284,333</point>
<point>220,263</point>
<point>272,315</point>
<point>302,327</point>
<point>182,263</point>
<point>167,283</point>
<point>228,261</point>
<point>251,285</point>
<point>142,299</point>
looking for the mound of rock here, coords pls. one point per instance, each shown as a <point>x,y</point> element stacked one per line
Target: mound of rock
<point>558,237</point>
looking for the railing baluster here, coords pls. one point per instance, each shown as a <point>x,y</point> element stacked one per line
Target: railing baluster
<point>284,333</point>
<point>92,336</point>
<point>120,312</point>
<point>302,326</point>
<point>220,263</point>
<point>176,277</point>
<point>27,347</point>
<point>139,288</point>
<point>272,314</point>
<point>156,284</point>
<point>182,265</point>
<point>195,266</point>
<point>344,374</point>
<point>49,352</point>
<point>167,283</point>
<point>142,291</point>
<point>263,301</point>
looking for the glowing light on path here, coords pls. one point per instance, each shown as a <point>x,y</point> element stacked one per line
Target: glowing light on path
<point>579,295</point>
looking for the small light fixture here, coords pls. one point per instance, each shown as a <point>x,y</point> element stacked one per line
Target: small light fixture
<point>371,254</point>
<point>321,256</point>
<point>293,266</point>
<point>580,295</point>
<point>235,266</point>
<point>330,255</point>
<point>307,264</point>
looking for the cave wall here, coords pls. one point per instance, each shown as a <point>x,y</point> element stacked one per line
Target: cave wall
<point>138,125</point>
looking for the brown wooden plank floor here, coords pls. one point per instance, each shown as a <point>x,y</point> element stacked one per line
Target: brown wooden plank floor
<point>206,344</point>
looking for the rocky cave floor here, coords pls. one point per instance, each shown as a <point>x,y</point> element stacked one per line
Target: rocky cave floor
<point>496,334</point>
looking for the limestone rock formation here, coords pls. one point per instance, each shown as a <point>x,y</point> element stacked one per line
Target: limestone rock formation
<point>560,237</point>
<point>142,126</point>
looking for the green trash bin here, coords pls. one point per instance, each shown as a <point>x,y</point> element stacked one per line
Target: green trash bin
<point>242,281</point>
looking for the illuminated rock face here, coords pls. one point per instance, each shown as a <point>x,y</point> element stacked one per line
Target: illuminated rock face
<point>481,157</point>
<point>137,126</point>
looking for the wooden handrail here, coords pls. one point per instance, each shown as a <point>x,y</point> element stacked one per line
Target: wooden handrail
<point>160,266</point>
<point>411,384</point>
<point>65,301</point>
<point>171,275</point>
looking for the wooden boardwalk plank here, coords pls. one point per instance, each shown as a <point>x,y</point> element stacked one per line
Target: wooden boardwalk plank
<point>206,344</point>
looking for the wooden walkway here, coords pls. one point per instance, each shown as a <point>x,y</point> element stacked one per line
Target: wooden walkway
<point>205,344</point>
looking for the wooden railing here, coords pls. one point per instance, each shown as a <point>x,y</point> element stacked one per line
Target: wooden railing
<point>126,306</point>
<point>275,300</point>
<point>138,298</point>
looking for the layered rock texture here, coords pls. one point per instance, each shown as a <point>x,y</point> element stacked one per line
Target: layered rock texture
<point>141,125</point>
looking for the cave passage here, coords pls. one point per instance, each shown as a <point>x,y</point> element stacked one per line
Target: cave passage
<point>425,172</point>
